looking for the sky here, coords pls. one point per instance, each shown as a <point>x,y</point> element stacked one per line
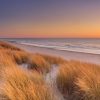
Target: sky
<point>50,18</point>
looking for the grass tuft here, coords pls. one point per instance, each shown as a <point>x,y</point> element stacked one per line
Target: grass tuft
<point>5,45</point>
<point>79,81</point>
<point>19,84</point>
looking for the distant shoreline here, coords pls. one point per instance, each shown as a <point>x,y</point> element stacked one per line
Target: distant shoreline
<point>51,47</point>
<point>68,55</point>
<point>82,45</point>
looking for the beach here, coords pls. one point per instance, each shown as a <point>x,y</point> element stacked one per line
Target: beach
<point>39,73</point>
<point>68,55</point>
<point>50,50</point>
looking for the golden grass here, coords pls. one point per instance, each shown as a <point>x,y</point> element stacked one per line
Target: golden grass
<point>79,81</point>
<point>17,83</point>
<point>5,45</point>
<point>39,63</point>
<point>53,59</point>
<point>6,60</point>
<point>34,61</point>
<point>75,80</point>
<point>89,83</point>
<point>20,57</point>
<point>22,85</point>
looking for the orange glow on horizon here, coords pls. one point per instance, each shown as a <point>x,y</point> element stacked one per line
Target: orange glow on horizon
<point>45,30</point>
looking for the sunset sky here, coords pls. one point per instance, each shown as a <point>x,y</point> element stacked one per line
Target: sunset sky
<point>50,18</point>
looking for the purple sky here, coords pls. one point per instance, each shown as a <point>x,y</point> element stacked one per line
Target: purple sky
<point>49,18</point>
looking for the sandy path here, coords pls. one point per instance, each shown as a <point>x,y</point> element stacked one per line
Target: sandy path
<point>51,81</point>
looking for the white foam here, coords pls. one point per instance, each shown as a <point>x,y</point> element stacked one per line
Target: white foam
<point>66,48</point>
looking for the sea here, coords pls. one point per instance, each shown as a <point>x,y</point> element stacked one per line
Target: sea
<point>86,45</point>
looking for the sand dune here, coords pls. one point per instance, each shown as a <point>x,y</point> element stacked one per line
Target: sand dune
<point>47,74</point>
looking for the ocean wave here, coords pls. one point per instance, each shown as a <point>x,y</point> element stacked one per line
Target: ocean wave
<point>66,48</point>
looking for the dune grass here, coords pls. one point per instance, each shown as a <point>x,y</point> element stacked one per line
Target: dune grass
<point>75,80</point>
<point>39,63</point>
<point>19,84</point>
<point>20,57</point>
<point>33,61</point>
<point>5,45</point>
<point>53,59</point>
<point>6,60</point>
<point>79,81</point>
<point>89,82</point>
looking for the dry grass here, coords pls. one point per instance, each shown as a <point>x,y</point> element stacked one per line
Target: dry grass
<point>20,57</point>
<point>34,61</point>
<point>89,82</point>
<point>18,84</point>
<point>75,80</point>
<point>6,60</point>
<point>53,59</point>
<point>79,81</point>
<point>5,45</point>
<point>66,77</point>
<point>39,63</point>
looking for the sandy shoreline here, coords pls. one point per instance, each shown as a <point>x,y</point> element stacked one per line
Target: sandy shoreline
<point>68,55</point>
